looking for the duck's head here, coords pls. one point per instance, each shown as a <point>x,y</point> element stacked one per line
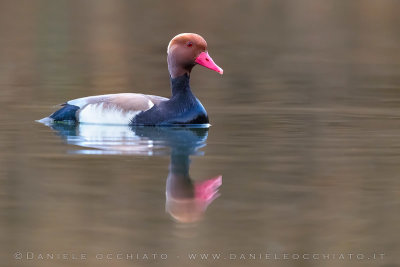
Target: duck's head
<point>185,51</point>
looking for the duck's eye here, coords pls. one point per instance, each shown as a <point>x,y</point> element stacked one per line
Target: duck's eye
<point>189,44</point>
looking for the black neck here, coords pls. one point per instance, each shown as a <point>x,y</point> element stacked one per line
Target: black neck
<point>180,84</point>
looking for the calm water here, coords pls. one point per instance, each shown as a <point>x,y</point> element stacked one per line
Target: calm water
<point>304,144</point>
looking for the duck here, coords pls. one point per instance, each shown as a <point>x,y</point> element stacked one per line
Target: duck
<point>184,51</point>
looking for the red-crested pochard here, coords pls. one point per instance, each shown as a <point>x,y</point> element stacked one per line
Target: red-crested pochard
<point>184,52</point>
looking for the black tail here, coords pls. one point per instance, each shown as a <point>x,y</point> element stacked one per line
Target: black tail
<point>66,113</point>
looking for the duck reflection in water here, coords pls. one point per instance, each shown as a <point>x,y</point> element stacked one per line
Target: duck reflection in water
<point>186,199</point>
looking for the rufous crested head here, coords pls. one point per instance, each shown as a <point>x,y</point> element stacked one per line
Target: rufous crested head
<point>186,50</point>
<point>190,40</point>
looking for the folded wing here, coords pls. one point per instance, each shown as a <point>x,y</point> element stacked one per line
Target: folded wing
<point>113,108</point>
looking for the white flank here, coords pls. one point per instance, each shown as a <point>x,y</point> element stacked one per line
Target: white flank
<point>151,104</point>
<point>98,114</point>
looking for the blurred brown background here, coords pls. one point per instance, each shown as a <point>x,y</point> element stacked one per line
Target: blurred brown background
<point>305,129</point>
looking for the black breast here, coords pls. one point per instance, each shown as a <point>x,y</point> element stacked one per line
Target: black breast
<point>182,108</point>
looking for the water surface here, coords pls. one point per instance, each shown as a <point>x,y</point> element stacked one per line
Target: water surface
<point>305,133</point>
